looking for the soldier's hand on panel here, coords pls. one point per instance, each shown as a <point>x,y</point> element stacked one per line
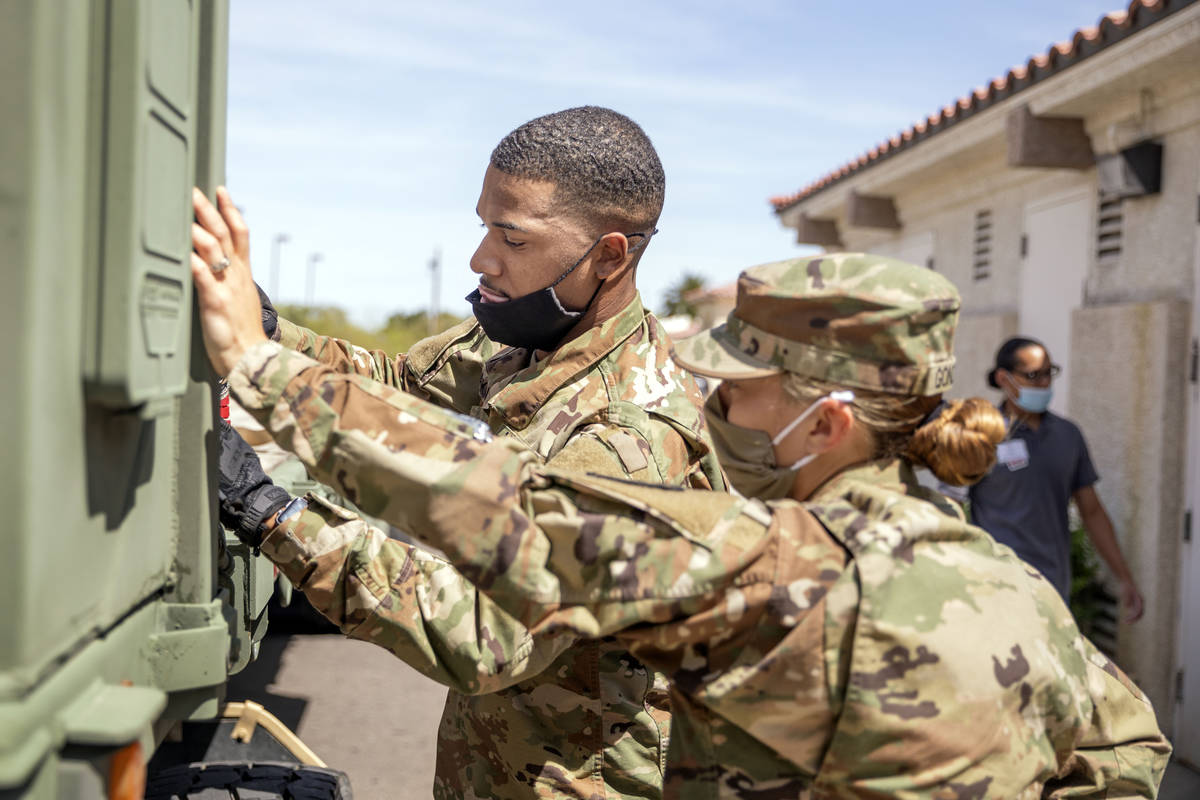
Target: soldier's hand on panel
<point>230,309</point>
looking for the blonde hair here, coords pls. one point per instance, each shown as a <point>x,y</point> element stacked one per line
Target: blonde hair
<point>958,445</point>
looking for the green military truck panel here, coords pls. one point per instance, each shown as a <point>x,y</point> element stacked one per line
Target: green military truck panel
<point>139,331</point>
<point>122,610</point>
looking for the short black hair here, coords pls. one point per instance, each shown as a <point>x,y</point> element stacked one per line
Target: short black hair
<point>1006,356</point>
<point>603,165</point>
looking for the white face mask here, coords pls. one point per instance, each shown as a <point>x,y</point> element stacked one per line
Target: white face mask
<point>840,397</point>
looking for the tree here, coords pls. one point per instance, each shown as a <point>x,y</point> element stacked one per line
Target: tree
<point>675,298</point>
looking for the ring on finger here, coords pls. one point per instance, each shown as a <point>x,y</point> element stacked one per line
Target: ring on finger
<point>220,266</point>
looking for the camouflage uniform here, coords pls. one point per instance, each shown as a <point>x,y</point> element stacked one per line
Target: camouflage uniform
<point>553,717</point>
<point>867,643</point>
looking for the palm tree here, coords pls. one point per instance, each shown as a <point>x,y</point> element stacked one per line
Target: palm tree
<point>675,298</point>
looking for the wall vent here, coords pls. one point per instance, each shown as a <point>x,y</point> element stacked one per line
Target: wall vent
<point>1109,223</point>
<point>981,268</point>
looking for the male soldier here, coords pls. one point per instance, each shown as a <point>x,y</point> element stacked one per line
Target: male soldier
<point>569,202</point>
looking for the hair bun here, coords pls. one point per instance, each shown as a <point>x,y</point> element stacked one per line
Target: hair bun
<point>959,445</point>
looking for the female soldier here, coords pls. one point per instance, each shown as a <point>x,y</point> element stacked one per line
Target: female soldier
<point>863,643</point>
<point>958,445</point>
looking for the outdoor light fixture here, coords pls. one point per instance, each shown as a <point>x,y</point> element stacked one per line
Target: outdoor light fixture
<point>1132,172</point>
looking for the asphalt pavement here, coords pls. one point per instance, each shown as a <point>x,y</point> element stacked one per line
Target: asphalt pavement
<point>358,707</point>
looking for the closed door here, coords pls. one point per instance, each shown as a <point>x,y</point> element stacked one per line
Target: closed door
<point>1187,711</point>
<point>1057,248</point>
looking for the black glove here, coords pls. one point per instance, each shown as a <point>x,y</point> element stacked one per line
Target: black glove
<point>247,496</point>
<point>270,317</point>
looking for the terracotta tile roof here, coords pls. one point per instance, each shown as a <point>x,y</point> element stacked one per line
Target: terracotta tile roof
<point>1085,42</point>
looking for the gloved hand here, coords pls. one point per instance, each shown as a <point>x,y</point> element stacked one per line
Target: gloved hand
<point>247,498</point>
<point>270,317</point>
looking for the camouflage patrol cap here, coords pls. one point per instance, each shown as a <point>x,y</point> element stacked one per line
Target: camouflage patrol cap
<point>854,319</point>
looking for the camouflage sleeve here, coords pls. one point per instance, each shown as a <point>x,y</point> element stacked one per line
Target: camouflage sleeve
<point>406,600</point>
<point>1121,753</point>
<point>343,356</point>
<point>513,531</point>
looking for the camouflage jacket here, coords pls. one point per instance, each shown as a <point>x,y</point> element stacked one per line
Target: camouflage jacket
<point>866,644</point>
<point>555,717</point>
<point>616,383</point>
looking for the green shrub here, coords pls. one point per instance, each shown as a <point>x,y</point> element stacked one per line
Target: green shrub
<point>396,335</point>
<point>1094,608</point>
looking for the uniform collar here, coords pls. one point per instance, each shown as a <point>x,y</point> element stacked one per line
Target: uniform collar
<point>851,503</point>
<point>516,384</point>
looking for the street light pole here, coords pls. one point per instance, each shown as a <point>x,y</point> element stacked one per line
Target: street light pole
<point>311,284</point>
<point>277,243</point>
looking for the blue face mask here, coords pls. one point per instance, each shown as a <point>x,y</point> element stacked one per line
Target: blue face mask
<point>1033,400</point>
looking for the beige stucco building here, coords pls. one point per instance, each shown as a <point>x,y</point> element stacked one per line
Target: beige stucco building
<point>1064,199</point>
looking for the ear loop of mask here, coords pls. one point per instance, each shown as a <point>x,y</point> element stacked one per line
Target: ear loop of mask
<point>634,249</point>
<point>844,396</point>
<point>1010,425</point>
<point>570,269</point>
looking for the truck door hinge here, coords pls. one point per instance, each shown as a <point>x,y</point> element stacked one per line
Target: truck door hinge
<point>1187,525</point>
<point>1194,365</point>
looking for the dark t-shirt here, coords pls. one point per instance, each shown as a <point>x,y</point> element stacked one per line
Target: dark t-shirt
<point>1023,503</point>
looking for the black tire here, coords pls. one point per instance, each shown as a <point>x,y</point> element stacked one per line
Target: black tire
<point>248,780</point>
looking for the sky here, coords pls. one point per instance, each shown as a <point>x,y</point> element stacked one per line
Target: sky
<point>361,129</point>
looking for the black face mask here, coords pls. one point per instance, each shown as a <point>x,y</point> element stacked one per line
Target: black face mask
<point>538,320</point>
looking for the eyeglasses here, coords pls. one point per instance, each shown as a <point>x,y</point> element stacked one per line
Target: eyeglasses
<point>1038,375</point>
<point>645,239</point>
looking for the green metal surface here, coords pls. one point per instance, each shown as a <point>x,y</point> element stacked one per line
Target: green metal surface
<point>161,651</point>
<point>191,650</point>
<point>139,352</point>
<point>247,585</point>
<point>111,715</point>
<point>46,781</point>
<point>117,619</point>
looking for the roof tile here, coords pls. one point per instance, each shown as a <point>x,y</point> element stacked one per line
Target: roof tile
<point>1111,28</point>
